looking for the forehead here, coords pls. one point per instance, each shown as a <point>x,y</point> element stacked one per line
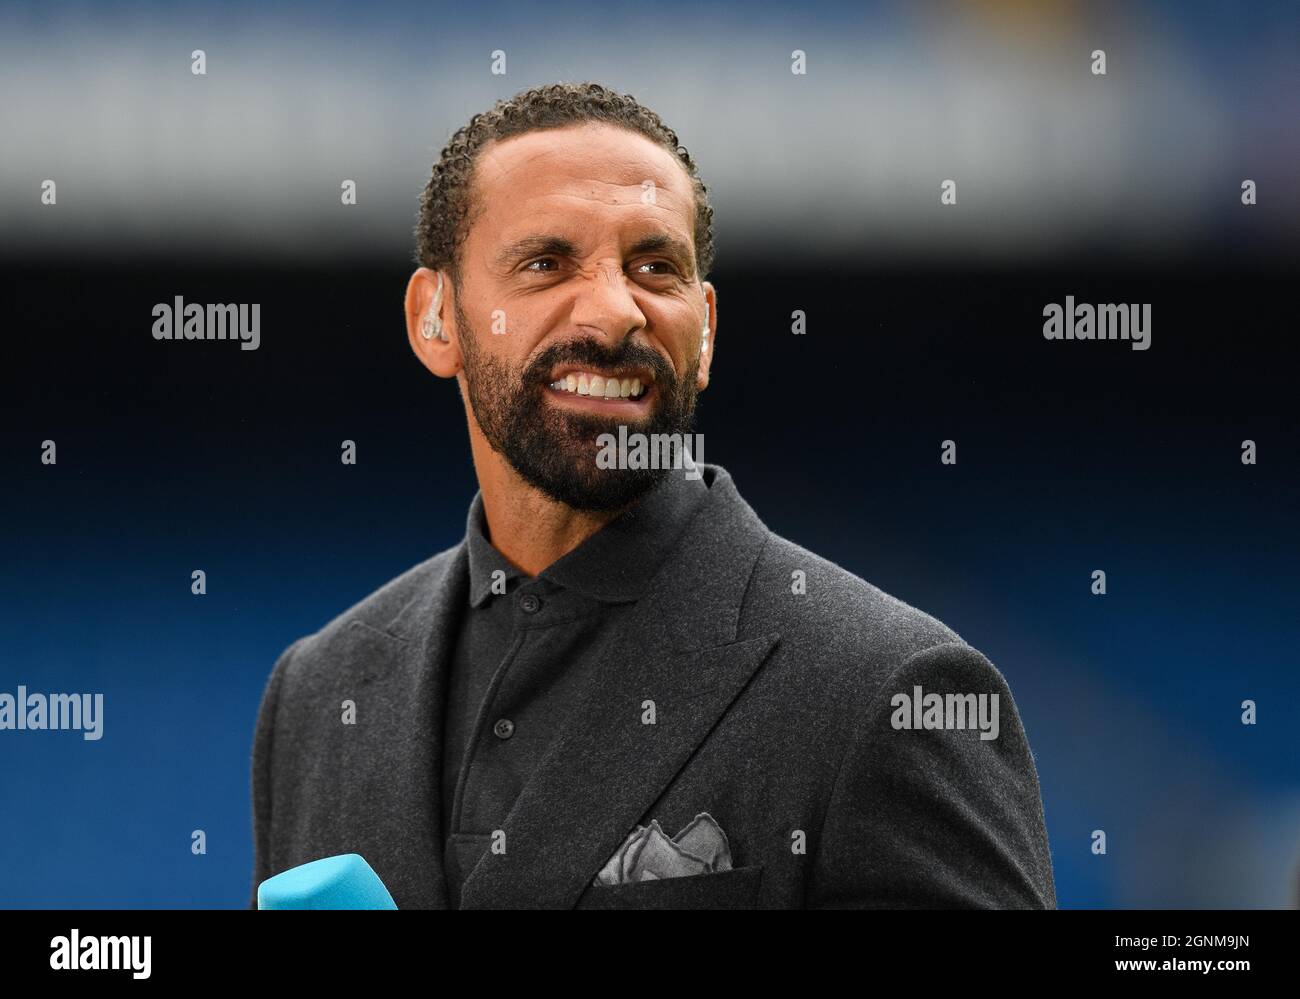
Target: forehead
<point>581,172</point>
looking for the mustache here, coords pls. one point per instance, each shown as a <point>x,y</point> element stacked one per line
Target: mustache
<point>589,351</point>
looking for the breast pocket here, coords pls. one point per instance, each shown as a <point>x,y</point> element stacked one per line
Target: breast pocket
<point>733,889</point>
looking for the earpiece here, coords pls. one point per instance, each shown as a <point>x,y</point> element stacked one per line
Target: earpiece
<point>704,334</point>
<point>432,325</point>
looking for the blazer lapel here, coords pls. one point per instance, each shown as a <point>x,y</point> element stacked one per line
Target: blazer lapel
<point>425,629</point>
<point>607,766</point>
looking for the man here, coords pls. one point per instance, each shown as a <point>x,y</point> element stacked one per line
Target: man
<point>621,689</point>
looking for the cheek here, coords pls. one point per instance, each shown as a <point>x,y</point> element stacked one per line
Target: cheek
<point>498,327</point>
<point>682,348</point>
<point>502,339</point>
<point>516,333</point>
<point>693,354</point>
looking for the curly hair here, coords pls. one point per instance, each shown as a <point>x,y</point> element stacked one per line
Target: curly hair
<point>446,204</point>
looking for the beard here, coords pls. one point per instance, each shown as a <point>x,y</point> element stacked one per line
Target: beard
<point>554,450</point>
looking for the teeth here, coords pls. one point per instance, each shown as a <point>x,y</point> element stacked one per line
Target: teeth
<point>600,387</point>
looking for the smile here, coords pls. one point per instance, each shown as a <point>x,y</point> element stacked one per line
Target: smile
<point>600,386</point>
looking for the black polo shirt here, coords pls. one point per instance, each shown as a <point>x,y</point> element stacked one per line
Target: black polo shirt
<point>524,650</point>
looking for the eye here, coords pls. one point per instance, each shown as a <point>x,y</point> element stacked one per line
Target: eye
<point>532,265</point>
<point>671,270</point>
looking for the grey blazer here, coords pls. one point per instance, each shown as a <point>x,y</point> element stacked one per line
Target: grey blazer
<point>771,712</point>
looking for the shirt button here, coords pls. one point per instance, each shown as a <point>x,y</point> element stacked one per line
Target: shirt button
<point>530,604</point>
<point>504,728</point>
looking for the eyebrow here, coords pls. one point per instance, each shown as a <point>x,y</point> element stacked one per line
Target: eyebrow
<point>547,245</point>
<point>531,246</point>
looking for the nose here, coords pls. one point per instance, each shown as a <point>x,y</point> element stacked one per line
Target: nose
<point>604,303</point>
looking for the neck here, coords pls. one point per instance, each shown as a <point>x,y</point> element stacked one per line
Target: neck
<point>526,526</point>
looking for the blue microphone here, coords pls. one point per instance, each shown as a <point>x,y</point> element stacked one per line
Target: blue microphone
<point>342,882</point>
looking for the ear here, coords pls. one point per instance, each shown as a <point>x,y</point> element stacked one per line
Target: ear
<point>441,356</point>
<point>709,339</point>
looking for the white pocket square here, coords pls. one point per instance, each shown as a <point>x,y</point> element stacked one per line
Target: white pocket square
<point>648,854</point>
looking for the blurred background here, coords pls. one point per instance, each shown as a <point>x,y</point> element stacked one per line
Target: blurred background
<point>924,324</point>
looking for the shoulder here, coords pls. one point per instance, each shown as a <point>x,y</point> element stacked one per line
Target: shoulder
<point>837,635</point>
<point>848,639</point>
<point>391,612</point>
<point>806,596</point>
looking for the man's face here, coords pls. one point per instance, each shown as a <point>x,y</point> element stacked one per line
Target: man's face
<point>578,273</point>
